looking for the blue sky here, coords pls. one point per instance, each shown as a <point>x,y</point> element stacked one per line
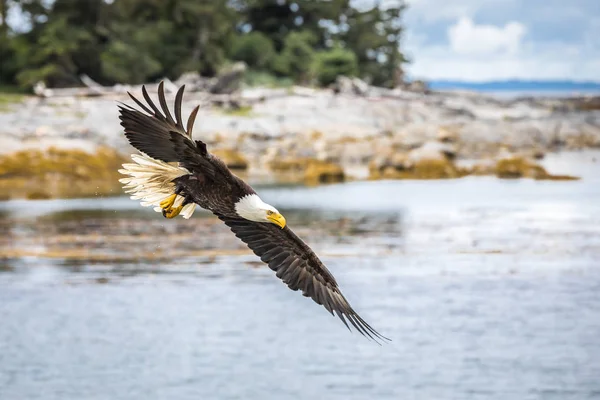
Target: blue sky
<point>479,40</point>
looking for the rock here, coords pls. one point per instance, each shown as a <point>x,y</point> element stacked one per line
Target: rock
<point>38,195</point>
<point>418,86</point>
<point>519,167</point>
<point>289,164</point>
<point>230,79</point>
<point>389,131</point>
<point>360,87</point>
<point>318,172</point>
<point>44,130</point>
<point>432,151</point>
<point>343,85</point>
<point>447,135</point>
<point>424,169</point>
<point>484,167</point>
<point>313,171</point>
<point>427,165</point>
<point>353,86</point>
<point>537,154</point>
<point>587,103</point>
<point>194,82</point>
<point>61,173</point>
<point>232,158</point>
<point>395,162</point>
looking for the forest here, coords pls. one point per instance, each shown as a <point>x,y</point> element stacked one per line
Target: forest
<point>136,41</point>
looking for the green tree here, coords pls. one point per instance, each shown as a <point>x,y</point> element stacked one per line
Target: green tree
<point>333,63</point>
<point>255,49</point>
<point>132,41</point>
<point>51,58</point>
<point>207,29</point>
<point>374,36</point>
<point>277,19</point>
<point>297,56</point>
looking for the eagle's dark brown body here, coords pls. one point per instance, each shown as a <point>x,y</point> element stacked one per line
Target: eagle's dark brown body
<point>217,193</point>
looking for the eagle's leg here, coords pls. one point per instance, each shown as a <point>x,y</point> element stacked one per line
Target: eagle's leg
<point>167,205</point>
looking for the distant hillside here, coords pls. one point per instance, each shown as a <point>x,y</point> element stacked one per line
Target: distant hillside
<point>516,85</point>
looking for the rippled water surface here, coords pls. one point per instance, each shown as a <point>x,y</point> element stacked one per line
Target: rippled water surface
<point>489,289</point>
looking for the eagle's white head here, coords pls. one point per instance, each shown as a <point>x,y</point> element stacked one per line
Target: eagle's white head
<point>252,208</point>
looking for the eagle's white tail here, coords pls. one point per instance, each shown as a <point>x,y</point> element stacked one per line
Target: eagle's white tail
<point>150,181</point>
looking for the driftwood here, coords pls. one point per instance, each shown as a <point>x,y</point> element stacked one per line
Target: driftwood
<point>224,90</point>
<point>228,82</point>
<point>91,89</point>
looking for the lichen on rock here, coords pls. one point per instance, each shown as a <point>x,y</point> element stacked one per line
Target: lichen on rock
<point>311,171</point>
<point>318,172</point>
<point>58,173</point>
<point>519,167</point>
<point>232,158</point>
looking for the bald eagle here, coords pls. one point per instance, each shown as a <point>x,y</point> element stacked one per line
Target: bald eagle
<point>174,174</point>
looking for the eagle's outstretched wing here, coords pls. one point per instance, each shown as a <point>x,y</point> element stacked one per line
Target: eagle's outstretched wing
<point>161,137</point>
<point>299,267</point>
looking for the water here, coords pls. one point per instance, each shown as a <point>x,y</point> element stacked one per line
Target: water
<point>489,289</point>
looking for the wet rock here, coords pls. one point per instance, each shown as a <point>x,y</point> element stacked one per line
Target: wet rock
<point>483,167</point>
<point>232,158</point>
<point>425,169</point>
<point>518,167</point>
<point>318,172</point>
<point>38,195</point>
<point>60,173</point>
<point>389,164</point>
<point>426,166</point>
<point>311,170</point>
<point>289,164</point>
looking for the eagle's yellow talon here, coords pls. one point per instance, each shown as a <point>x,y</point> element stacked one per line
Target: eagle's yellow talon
<point>167,205</point>
<point>172,212</point>
<point>168,202</point>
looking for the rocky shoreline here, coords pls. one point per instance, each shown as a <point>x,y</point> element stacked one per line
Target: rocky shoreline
<point>303,135</point>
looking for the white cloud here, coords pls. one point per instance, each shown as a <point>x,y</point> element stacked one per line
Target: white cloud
<point>503,39</point>
<point>468,38</point>
<point>557,61</point>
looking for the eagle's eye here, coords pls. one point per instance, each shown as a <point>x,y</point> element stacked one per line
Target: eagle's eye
<point>269,212</point>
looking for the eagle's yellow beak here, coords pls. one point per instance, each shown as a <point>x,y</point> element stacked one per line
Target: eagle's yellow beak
<point>277,219</point>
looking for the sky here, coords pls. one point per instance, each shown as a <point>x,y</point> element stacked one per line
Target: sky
<point>483,40</point>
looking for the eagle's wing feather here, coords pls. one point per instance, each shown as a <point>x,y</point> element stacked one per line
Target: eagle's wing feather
<point>157,134</point>
<point>298,267</point>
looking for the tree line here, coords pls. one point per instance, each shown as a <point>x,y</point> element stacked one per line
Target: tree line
<point>136,41</point>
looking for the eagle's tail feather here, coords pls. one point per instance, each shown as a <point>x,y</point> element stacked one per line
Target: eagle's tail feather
<point>151,181</point>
